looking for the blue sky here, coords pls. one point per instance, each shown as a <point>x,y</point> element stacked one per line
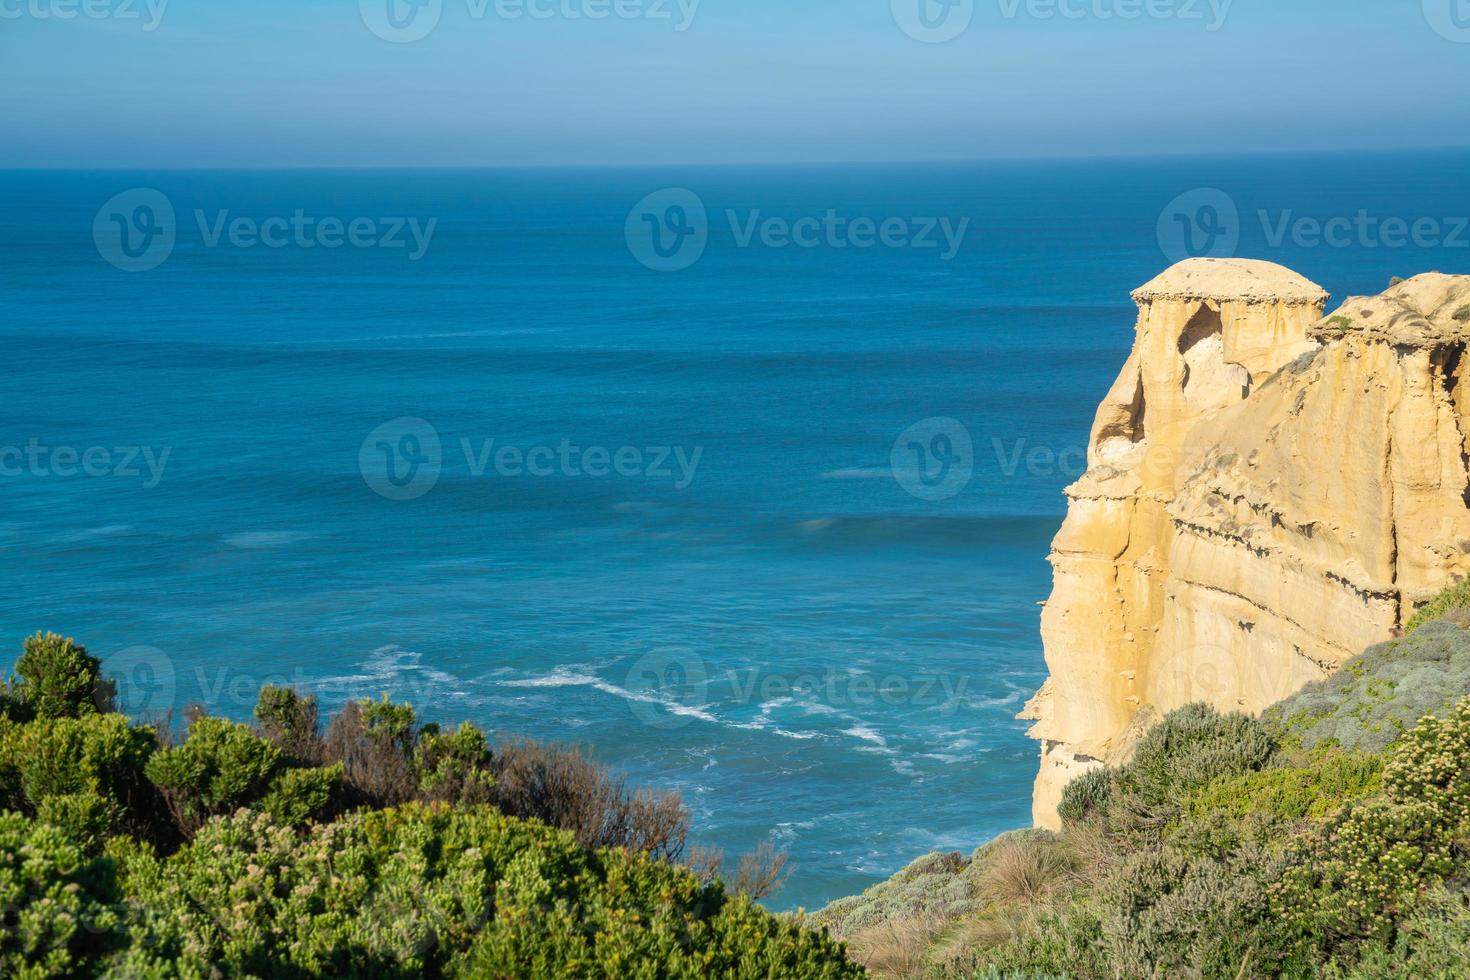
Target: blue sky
<point>308,83</point>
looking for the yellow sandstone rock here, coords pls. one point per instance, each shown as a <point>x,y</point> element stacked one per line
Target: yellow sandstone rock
<point>1267,492</point>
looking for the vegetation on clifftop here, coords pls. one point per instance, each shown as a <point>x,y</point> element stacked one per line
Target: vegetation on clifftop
<point>1328,838</point>
<point>379,848</point>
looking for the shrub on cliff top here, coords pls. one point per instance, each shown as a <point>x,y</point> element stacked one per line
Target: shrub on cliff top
<point>60,915</point>
<point>433,891</point>
<point>1087,794</point>
<point>1380,694</point>
<point>288,720</point>
<point>123,857</point>
<point>224,766</point>
<point>60,679</point>
<point>84,774</point>
<point>1453,599</point>
<point>1381,855</point>
<point>1190,748</point>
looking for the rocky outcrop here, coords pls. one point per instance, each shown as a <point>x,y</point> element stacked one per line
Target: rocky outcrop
<point>1268,491</point>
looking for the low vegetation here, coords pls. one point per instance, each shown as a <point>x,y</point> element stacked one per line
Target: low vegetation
<point>381,847</point>
<point>1326,838</point>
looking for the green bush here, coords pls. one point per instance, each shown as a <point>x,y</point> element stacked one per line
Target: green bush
<point>215,857</point>
<point>1379,695</point>
<point>1431,944</point>
<point>1316,788</point>
<point>84,774</point>
<point>59,907</point>
<point>435,891</point>
<point>289,722</point>
<point>1454,598</point>
<point>454,767</point>
<point>935,885</point>
<point>59,679</point>
<point>1188,749</point>
<point>1087,794</point>
<point>1380,855</point>
<point>299,796</point>
<point>224,766</point>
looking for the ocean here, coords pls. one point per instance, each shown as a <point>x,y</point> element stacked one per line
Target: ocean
<point>743,477</point>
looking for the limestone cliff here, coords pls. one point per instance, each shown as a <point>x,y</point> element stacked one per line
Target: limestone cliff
<point>1268,492</point>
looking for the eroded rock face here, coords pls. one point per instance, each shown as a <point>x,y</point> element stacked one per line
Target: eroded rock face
<point>1268,492</point>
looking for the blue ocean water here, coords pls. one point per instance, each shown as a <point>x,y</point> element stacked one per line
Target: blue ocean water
<point>775,627</point>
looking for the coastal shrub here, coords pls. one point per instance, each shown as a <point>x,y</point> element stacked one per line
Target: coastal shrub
<point>1454,598</point>
<point>59,679</point>
<point>1087,794</point>
<point>223,766</point>
<point>454,767</point>
<point>1340,323</point>
<point>561,787</point>
<point>1431,943</point>
<point>1462,315</point>
<point>1380,694</point>
<point>935,886</point>
<point>1316,788</point>
<point>288,721</point>
<point>84,774</point>
<point>1189,748</point>
<point>59,912</point>
<point>298,796</point>
<point>1381,854</point>
<point>374,743</point>
<point>1062,942</point>
<point>436,891</point>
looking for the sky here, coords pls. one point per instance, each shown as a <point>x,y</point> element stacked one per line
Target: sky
<point>312,83</point>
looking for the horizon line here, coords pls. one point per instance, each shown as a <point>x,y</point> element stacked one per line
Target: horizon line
<point>896,161</point>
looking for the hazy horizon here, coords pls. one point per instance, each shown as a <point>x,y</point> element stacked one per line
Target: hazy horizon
<point>1327,151</point>
<point>143,84</point>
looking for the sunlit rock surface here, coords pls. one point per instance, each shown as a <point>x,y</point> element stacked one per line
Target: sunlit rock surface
<point>1268,492</point>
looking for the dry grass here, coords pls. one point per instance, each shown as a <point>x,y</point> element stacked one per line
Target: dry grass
<point>958,953</point>
<point>897,949</point>
<point>1025,869</point>
<point>1094,853</point>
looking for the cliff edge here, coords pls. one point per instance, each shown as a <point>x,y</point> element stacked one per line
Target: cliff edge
<point>1267,490</point>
